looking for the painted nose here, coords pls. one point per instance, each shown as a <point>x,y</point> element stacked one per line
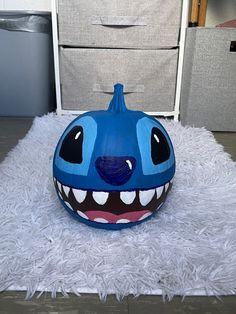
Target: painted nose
<point>115,170</point>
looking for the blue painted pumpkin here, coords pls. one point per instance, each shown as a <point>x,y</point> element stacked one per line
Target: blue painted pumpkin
<point>113,168</point>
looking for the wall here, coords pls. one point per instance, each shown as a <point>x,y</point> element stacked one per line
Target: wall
<point>40,5</point>
<point>219,11</point>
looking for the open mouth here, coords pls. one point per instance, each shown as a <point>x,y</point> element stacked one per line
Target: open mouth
<point>114,207</point>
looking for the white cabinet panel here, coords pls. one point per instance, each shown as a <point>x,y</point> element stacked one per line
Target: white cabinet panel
<point>1,4</point>
<point>39,5</point>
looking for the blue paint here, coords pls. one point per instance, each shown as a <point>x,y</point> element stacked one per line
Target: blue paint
<point>144,129</point>
<point>117,104</point>
<point>115,170</point>
<point>115,132</point>
<point>120,134</point>
<point>90,129</point>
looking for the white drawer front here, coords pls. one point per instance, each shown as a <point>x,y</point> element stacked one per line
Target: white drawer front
<point>88,76</point>
<point>125,23</point>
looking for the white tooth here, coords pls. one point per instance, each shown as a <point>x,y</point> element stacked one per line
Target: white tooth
<point>145,216</point>
<point>123,221</point>
<point>66,190</point>
<point>59,193</point>
<point>171,181</point>
<point>102,220</point>
<point>100,197</point>
<point>68,205</point>
<point>79,195</point>
<point>159,191</point>
<point>146,196</point>
<point>82,214</point>
<point>59,186</point>
<point>166,186</point>
<point>127,197</point>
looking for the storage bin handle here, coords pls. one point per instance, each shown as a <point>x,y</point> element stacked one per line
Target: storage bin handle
<point>109,88</point>
<point>119,21</point>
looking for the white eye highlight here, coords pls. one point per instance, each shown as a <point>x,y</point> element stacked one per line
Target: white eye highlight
<point>129,164</point>
<point>156,138</point>
<point>77,135</point>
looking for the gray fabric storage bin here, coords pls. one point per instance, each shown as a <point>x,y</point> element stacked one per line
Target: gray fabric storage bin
<point>124,24</point>
<point>208,95</point>
<point>88,75</point>
<point>26,64</point>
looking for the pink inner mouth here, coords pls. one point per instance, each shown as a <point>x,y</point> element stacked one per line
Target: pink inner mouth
<point>122,218</point>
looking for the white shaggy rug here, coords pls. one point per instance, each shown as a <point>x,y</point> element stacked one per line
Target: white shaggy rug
<point>188,248</point>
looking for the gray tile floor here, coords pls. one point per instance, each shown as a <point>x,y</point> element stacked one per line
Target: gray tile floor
<point>12,130</point>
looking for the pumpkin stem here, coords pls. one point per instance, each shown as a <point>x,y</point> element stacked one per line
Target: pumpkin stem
<point>117,103</point>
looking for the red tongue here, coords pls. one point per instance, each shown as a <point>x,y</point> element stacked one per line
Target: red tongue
<point>112,218</point>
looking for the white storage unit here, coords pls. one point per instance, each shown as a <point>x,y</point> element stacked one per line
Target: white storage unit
<point>137,43</point>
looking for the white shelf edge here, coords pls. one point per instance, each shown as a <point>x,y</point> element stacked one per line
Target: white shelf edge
<point>183,27</point>
<point>61,111</point>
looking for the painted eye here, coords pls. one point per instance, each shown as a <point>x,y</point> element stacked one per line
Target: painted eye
<point>160,150</point>
<point>72,146</point>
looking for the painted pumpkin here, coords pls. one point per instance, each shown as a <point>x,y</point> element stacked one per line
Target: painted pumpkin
<point>113,168</point>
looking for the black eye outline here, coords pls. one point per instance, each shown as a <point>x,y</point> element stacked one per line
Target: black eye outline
<point>72,146</point>
<point>160,150</point>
